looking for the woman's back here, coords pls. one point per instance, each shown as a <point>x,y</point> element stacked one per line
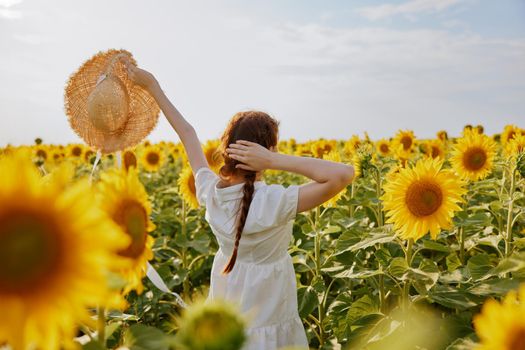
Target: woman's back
<point>262,281</point>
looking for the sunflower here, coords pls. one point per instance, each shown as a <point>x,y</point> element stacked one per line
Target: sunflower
<point>515,145</point>
<point>473,156</point>
<point>501,326</point>
<point>213,156</point>
<point>434,149</point>
<point>75,151</point>
<point>334,156</point>
<point>54,246</point>
<point>509,132</point>
<point>351,146</point>
<point>321,147</point>
<point>129,159</point>
<point>152,159</point>
<point>125,200</point>
<point>404,141</point>
<point>422,198</point>
<point>442,135</point>
<point>383,147</point>
<point>187,188</point>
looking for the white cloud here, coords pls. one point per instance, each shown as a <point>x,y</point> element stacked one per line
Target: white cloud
<point>408,8</point>
<point>10,14</point>
<point>9,3</point>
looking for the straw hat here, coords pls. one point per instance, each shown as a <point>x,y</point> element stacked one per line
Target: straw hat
<point>105,108</point>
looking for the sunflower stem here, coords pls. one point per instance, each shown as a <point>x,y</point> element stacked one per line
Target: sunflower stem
<point>186,281</point>
<point>378,194</point>
<point>508,236</point>
<point>406,285</point>
<point>317,252</point>
<point>351,205</point>
<point>101,325</point>
<point>461,234</point>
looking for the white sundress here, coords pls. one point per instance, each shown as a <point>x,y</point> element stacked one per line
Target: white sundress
<point>262,281</point>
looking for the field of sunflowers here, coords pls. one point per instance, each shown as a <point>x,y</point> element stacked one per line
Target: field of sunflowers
<point>424,250</point>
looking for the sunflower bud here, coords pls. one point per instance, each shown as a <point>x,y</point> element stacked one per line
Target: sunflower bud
<point>362,160</point>
<point>212,326</point>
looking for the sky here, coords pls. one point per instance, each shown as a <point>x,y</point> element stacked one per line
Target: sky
<point>331,68</point>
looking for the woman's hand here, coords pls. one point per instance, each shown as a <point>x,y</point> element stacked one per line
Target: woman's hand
<point>139,76</point>
<point>253,156</point>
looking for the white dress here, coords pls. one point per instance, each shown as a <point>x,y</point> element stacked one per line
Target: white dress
<point>262,281</point>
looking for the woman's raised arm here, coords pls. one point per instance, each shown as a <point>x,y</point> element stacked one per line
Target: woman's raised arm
<point>185,130</point>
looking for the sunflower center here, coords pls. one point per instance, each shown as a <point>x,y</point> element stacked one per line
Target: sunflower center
<point>132,217</point>
<point>474,158</point>
<point>517,341</point>
<point>30,251</point>
<point>42,154</point>
<point>384,148</point>
<point>435,152</point>
<point>191,184</point>
<point>129,160</point>
<point>76,151</point>
<point>423,198</point>
<point>407,142</point>
<point>153,158</point>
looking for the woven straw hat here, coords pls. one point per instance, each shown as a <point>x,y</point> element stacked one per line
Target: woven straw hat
<point>105,108</point>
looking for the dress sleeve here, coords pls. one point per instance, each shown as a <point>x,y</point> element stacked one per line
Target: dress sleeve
<point>205,180</point>
<point>281,204</point>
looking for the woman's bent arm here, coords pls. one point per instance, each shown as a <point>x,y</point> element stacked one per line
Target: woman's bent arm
<point>329,177</point>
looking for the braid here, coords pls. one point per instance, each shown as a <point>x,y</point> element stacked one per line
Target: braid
<point>248,190</point>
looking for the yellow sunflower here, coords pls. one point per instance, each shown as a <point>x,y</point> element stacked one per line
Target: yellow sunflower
<point>501,326</point>
<point>422,198</point>
<point>509,132</point>
<point>383,147</point>
<point>129,160</point>
<point>515,145</point>
<point>321,147</point>
<point>213,156</point>
<point>75,151</point>
<point>435,149</point>
<point>187,188</point>
<point>473,156</point>
<point>404,141</point>
<point>334,156</point>
<point>124,199</point>
<point>442,135</point>
<point>56,249</point>
<point>351,146</point>
<point>152,159</point>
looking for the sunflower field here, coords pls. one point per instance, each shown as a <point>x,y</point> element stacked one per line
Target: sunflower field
<point>424,250</point>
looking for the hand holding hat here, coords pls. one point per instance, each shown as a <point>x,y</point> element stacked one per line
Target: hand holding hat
<point>106,103</point>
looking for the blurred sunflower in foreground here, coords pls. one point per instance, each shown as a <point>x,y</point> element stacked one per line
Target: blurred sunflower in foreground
<point>473,156</point>
<point>501,326</point>
<point>125,200</point>
<point>422,198</point>
<point>51,253</point>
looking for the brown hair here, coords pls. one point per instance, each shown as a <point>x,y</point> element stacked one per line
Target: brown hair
<point>252,126</point>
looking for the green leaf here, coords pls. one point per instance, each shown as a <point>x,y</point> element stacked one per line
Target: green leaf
<point>511,264</point>
<point>453,262</point>
<point>454,298</point>
<point>373,240</point>
<point>360,308</point>
<point>93,345</point>
<point>438,247</point>
<point>398,267</point>
<point>308,300</point>
<point>479,265</point>
<point>141,337</point>
<point>350,273</point>
<point>495,287</point>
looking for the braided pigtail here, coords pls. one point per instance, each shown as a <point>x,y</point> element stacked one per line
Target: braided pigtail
<point>248,190</point>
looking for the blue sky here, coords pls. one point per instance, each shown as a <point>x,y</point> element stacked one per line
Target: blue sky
<point>323,68</point>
